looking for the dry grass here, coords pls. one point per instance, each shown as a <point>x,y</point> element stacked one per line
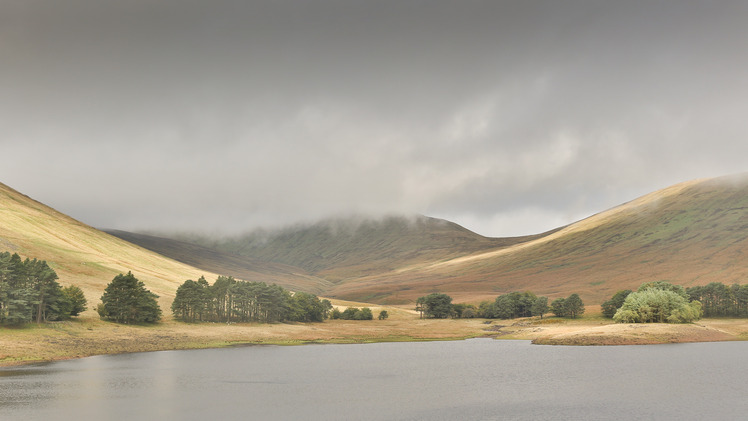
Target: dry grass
<point>91,336</point>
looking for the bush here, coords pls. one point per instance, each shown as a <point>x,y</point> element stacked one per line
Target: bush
<point>126,300</point>
<point>658,303</point>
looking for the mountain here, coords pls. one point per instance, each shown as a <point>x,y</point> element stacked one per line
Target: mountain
<point>690,234</point>
<point>344,248</point>
<point>90,258</point>
<point>228,264</point>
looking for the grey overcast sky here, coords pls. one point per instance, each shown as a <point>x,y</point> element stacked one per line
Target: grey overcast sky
<point>507,117</point>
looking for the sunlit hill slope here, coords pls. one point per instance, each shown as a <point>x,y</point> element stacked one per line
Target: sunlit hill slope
<point>691,234</point>
<point>90,258</point>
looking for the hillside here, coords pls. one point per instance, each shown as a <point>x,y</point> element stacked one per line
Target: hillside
<point>691,234</point>
<point>228,264</point>
<point>87,257</point>
<point>345,248</point>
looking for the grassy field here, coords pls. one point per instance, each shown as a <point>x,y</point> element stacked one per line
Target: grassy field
<point>91,336</point>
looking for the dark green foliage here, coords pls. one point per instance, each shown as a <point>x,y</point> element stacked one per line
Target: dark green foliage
<point>462,310</point>
<point>610,307</point>
<point>29,291</point>
<point>353,313</point>
<point>229,300</point>
<point>191,301</point>
<point>306,307</point>
<point>487,310</point>
<point>571,306</point>
<point>350,313</point>
<point>336,314</point>
<point>364,314</point>
<point>574,306</point>
<point>436,305</point>
<point>719,300</point>
<point>383,315</point>
<point>539,307</point>
<point>78,302</point>
<point>514,304</point>
<point>126,300</point>
<point>558,307</point>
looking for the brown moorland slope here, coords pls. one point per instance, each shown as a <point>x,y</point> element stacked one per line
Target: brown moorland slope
<point>692,233</point>
<point>89,258</point>
<point>215,261</point>
<point>351,247</point>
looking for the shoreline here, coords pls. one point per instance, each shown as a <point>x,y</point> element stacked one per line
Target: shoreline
<point>90,336</point>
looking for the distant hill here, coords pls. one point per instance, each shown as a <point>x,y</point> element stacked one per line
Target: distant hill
<point>345,248</point>
<point>228,264</point>
<point>691,234</point>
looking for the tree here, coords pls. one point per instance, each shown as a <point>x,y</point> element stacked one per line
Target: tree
<point>383,315</point>
<point>191,300</point>
<point>335,314</point>
<point>653,305</point>
<point>610,307</point>
<point>574,306</point>
<point>350,313</point>
<point>78,302</point>
<point>126,300</point>
<point>29,291</point>
<point>539,306</point>
<point>558,307</point>
<point>364,314</point>
<point>438,306</point>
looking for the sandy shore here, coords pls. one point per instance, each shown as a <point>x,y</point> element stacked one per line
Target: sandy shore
<point>91,336</point>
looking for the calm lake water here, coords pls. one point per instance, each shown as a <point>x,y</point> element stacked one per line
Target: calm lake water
<point>478,379</point>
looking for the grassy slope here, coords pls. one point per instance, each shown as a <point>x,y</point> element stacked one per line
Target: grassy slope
<point>228,264</point>
<point>341,249</point>
<point>692,233</point>
<point>82,255</point>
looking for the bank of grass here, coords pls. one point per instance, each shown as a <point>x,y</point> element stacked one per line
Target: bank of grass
<point>90,336</point>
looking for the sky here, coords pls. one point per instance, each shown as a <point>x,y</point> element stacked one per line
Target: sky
<point>506,117</point>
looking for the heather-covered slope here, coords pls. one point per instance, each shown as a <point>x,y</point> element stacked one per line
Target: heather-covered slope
<point>228,264</point>
<point>691,234</point>
<point>344,248</point>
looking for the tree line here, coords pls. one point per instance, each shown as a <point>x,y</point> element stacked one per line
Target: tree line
<point>229,300</point>
<point>505,306</point>
<point>29,291</point>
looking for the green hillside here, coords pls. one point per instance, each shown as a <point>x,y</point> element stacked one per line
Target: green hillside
<point>691,234</point>
<point>345,248</point>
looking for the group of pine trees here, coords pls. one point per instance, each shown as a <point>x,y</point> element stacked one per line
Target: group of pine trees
<point>506,306</point>
<point>229,300</point>
<point>720,300</point>
<point>29,291</point>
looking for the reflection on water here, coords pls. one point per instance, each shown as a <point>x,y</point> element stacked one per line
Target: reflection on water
<point>474,379</point>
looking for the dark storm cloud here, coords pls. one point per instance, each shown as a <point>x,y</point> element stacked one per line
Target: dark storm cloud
<point>510,117</point>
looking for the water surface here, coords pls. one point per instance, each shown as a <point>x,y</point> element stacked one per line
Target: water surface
<point>477,379</point>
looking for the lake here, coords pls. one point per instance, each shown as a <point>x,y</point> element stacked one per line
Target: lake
<point>477,379</point>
